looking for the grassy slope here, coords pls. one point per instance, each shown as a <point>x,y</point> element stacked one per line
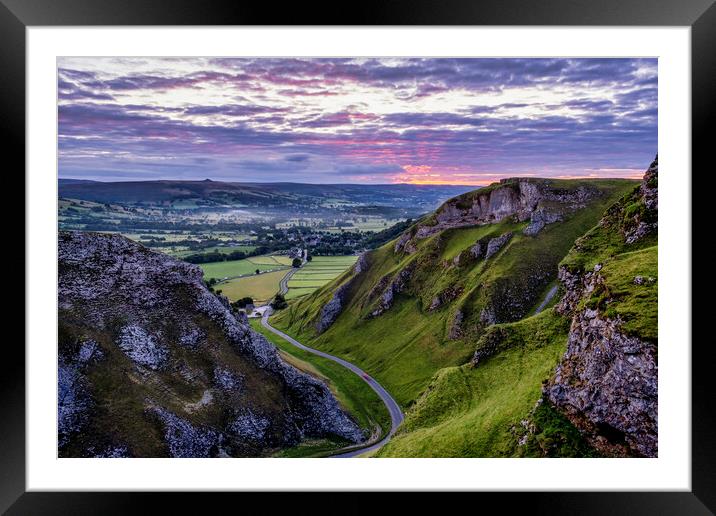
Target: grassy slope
<point>471,411</point>
<point>407,345</point>
<point>604,244</point>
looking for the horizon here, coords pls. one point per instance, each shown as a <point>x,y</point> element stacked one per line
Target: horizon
<point>381,121</point>
<point>330,184</point>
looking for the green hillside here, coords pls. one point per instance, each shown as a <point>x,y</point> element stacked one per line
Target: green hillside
<point>469,411</point>
<point>449,298</point>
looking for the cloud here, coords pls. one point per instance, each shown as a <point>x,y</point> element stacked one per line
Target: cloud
<point>338,120</point>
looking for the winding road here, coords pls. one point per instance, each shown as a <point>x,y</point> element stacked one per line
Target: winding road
<point>396,415</point>
<point>547,299</point>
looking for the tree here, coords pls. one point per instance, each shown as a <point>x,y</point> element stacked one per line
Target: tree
<point>243,302</point>
<point>296,262</point>
<point>279,302</point>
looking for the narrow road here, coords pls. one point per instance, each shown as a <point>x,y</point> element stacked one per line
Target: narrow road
<point>396,415</point>
<point>283,284</point>
<point>547,299</point>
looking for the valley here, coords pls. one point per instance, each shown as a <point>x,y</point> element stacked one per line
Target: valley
<point>465,320</point>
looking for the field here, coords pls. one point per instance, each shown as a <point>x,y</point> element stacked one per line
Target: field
<point>260,287</point>
<point>271,260</point>
<point>316,273</point>
<point>234,268</point>
<point>354,395</point>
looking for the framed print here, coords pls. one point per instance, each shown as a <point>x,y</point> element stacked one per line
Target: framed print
<point>417,254</point>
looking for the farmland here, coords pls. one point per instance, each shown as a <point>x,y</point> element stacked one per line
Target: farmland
<point>235,268</point>
<point>260,287</point>
<point>317,273</point>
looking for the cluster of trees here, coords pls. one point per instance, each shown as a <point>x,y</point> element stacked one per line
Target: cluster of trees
<point>216,256</point>
<point>243,302</point>
<point>374,240</point>
<point>279,302</point>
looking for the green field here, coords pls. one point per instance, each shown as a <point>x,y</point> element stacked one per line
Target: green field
<point>352,392</point>
<point>274,260</point>
<point>293,293</point>
<point>233,268</point>
<point>316,273</point>
<point>260,287</point>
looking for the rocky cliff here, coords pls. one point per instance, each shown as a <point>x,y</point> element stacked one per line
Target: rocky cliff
<point>153,364</point>
<point>539,201</point>
<point>606,383</point>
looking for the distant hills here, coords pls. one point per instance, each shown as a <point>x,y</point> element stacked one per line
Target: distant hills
<point>266,195</point>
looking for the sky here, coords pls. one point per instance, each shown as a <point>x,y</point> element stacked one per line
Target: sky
<point>367,120</point>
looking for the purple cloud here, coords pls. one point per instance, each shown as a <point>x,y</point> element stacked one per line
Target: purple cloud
<point>343,120</point>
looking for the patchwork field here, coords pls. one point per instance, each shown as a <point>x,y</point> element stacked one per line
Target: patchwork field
<point>316,273</point>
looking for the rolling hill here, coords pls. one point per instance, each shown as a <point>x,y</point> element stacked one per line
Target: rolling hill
<point>416,198</point>
<point>443,317</point>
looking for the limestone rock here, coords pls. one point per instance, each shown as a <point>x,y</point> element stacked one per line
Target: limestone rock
<point>494,245</point>
<point>158,313</point>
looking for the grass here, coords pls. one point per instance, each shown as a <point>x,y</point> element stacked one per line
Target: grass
<point>230,269</point>
<point>352,392</point>
<point>620,297</point>
<point>270,260</point>
<point>294,293</point>
<point>316,273</point>
<point>260,287</point>
<point>636,305</point>
<point>472,411</point>
<point>553,436</point>
<point>312,448</point>
<point>606,240</point>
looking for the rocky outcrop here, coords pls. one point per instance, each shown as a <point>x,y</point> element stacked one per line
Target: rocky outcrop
<point>539,219</point>
<point>394,285</point>
<point>446,296</point>
<point>494,245</point>
<point>455,331</point>
<point>478,250</point>
<point>644,219</point>
<point>606,382</point>
<point>331,310</point>
<point>152,317</point>
<point>538,200</point>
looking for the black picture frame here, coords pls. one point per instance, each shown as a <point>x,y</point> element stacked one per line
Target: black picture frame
<point>700,15</point>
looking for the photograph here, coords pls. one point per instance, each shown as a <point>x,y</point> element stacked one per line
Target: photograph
<point>357,257</point>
